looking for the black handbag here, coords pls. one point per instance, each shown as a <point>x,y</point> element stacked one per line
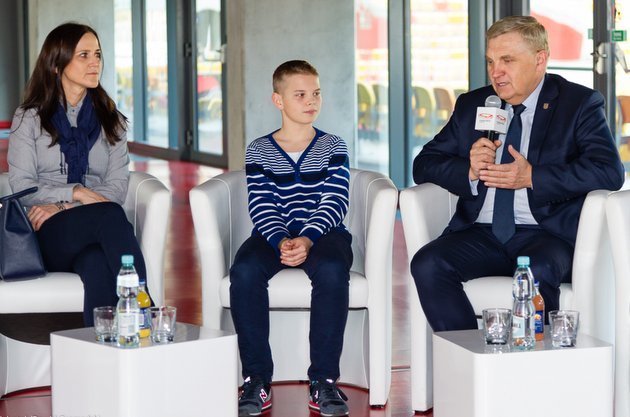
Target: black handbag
<point>20,257</point>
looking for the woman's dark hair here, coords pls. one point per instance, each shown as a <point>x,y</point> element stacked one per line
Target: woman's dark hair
<point>44,88</point>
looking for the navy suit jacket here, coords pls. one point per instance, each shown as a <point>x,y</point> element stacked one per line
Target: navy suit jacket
<point>571,151</point>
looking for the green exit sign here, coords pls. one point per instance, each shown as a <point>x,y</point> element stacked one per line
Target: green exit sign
<point>619,35</point>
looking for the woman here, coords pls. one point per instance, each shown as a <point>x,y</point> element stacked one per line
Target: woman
<point>69,140</point>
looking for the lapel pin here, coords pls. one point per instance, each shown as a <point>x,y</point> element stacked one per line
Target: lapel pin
<point>545,106</point>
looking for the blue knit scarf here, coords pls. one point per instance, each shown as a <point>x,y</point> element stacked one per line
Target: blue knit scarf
<point>76,142</point>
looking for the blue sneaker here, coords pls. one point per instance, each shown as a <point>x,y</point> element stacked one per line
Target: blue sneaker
<point>328,399</point>
<point>255,397</point>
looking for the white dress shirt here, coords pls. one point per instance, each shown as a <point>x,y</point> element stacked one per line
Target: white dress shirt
<point>522,212</point>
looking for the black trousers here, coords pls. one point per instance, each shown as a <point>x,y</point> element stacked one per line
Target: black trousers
<point>440,267</point>
<point>89,240</point>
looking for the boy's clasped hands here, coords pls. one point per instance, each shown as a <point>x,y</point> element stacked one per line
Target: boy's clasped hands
<point>293,252</point>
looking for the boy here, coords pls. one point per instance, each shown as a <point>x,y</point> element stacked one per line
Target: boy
<point>297,183</point>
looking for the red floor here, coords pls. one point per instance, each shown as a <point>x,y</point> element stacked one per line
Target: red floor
<point>182,284</point>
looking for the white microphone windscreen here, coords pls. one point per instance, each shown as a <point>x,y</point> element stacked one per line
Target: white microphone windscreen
<point>493,101</point>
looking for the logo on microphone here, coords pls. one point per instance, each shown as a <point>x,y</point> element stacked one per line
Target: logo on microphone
<point>491,119</point>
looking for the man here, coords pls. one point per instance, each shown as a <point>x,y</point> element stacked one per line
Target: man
<point>523,200</point>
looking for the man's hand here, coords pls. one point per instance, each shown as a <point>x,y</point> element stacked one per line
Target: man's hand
<point>87,196</point>
<point>293,252</point>
<point>39,214</point>
<point>482,154</point>
<point>514,175</point>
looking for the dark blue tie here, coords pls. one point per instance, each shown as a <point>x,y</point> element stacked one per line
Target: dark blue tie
<point>503,216</point>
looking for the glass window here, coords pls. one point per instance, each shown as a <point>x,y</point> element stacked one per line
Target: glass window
<point>372,74</point>
<point>123,57</point>
<point>145,29</point>
<point>622,81</point>
<point>157,73</point>
<point>439,66</point>
<point>209,69</point>
<point>569,40</point>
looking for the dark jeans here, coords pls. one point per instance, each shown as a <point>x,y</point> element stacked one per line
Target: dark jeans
<point>89,240</point>
<point>328,267</point>
<point>440,267</point>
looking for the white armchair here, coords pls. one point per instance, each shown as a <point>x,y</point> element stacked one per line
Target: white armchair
<point>25,365</point>
<point>426,210</point>
<point>222,223</point>
<point>618,215</point>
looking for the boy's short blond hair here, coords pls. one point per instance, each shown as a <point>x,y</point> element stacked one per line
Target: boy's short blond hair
<point>528,27</point>
<point>291,68</point>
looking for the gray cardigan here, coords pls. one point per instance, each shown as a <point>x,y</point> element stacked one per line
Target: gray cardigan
<point>33,163</point>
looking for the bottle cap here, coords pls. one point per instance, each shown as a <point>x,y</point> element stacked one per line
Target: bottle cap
<point>522,261</point>
<point>127,259</point>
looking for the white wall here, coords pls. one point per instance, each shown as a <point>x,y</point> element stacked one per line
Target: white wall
<point>45,15</point>
<point>264,34</point>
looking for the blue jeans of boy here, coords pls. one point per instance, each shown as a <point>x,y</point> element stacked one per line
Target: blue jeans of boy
<point>328,267</point>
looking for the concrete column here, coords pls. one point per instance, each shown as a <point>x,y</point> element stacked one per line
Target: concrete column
<point>263,34</point>
<point>45,15</point>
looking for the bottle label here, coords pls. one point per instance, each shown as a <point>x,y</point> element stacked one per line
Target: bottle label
<point>518,327</point>
<point>128,280</point>
<point>127,324</point>
<point>539,321</point>
<point>144,318</point>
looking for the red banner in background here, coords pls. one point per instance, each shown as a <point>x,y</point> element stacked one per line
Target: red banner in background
<point>565,42</point>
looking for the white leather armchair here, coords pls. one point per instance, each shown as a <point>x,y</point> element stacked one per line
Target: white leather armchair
<point>618,216</point>
<point>25,365</point>
<point>426,210</point>
<point>222,223</point>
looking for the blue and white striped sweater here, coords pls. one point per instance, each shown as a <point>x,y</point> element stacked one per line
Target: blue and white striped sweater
<point>307,198</point>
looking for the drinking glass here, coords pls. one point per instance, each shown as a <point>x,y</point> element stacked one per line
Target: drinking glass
<point>163,322</point>
<point>497,325</point>
<point>105,324</point>
<point>564,327</point>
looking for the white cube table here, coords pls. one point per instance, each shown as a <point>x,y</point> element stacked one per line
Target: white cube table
<point>194,375</point>
<point>472,380</point>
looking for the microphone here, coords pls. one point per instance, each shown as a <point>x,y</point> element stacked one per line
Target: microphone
<point>492,119</point>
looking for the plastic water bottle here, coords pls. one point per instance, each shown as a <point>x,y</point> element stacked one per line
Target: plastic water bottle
<point>523,312</point>
<point>127,309</point>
